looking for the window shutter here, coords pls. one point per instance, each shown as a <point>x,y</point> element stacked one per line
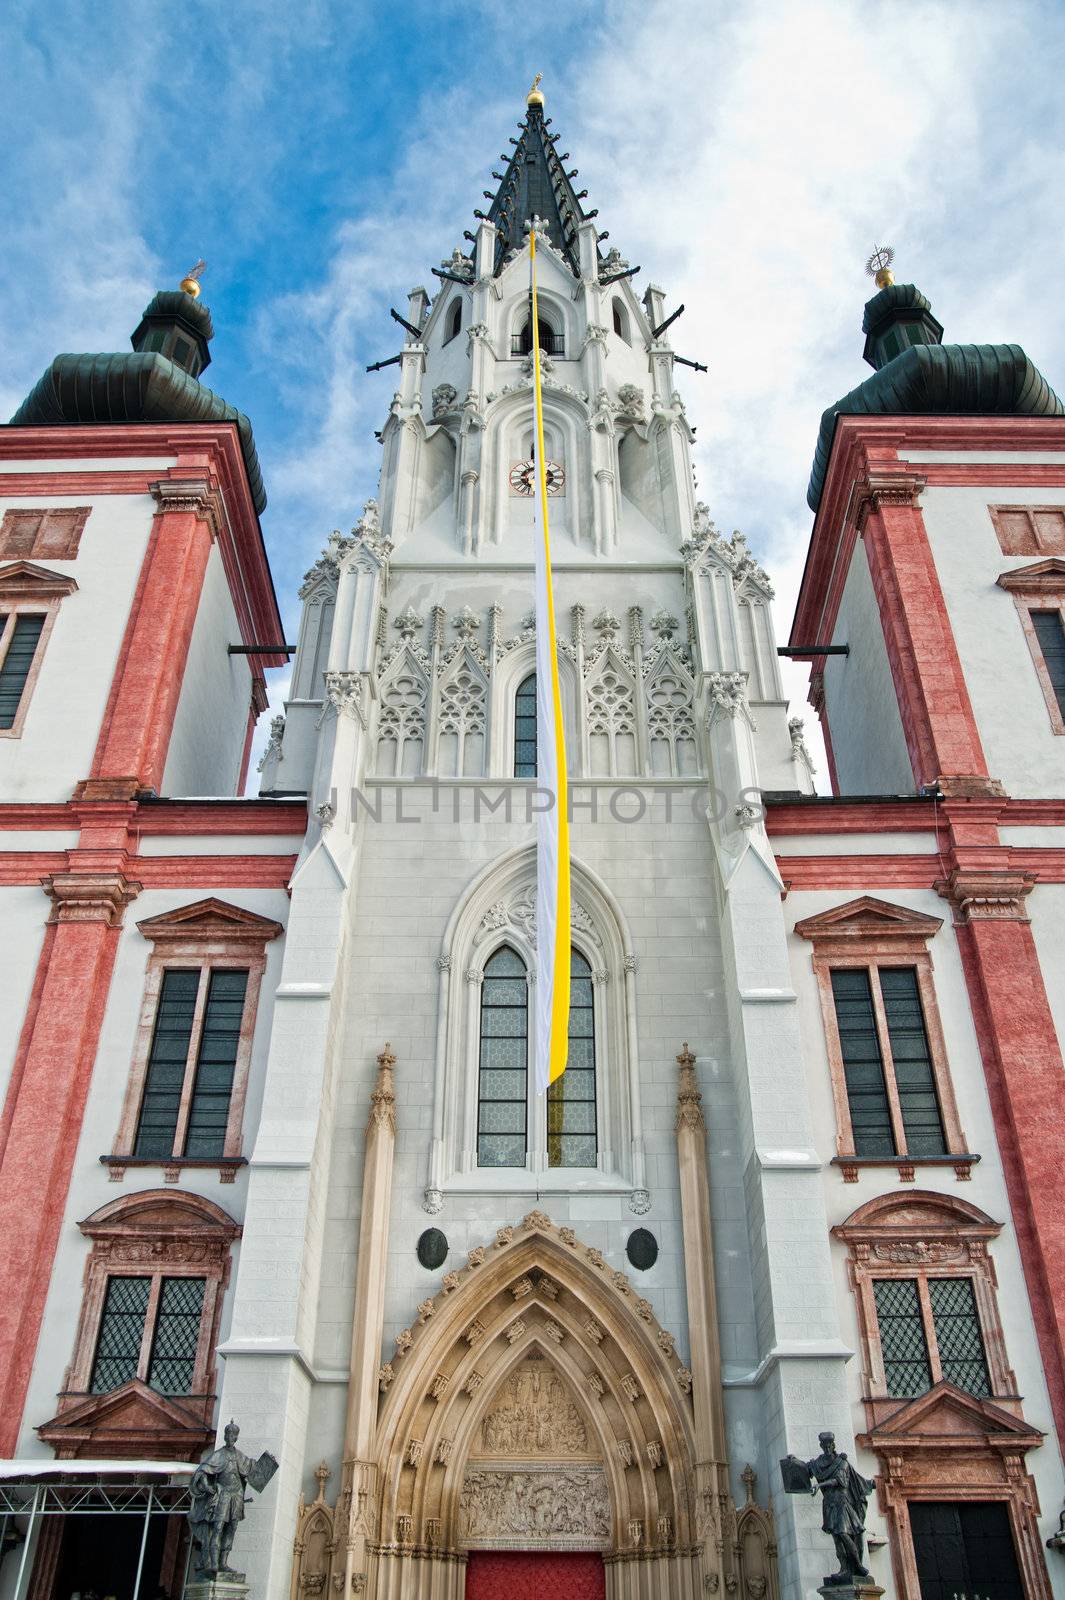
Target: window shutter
<point>215,1063</point>
<point>16,665</point>
<point>166,1063</point>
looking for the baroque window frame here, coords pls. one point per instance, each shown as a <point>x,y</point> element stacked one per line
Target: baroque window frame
<point>868,933</point>
<point>207,935</point>
<point>496,910</point>
<point>156,1233</point>
<point>28,589</point>
<point>1040,587</point>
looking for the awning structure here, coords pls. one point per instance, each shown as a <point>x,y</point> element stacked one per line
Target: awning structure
<point>31,1490</point>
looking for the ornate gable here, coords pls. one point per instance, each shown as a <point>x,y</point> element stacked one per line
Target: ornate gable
<point>131,1423</point>
<point>23,580</point>
<point>210,919</point>
<point>868,917</point>
<point>946,1416</point>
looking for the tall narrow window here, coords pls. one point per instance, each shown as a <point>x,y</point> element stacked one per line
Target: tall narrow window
<point>525,728</point>
<point>20,634</point>
<point>1050,636</point>
<point>454,319</point>
<point>902,1339</point>
<point>863,1065</point>
<point>189,1081</point>
<point>550,342</point>
<point>118,1347</point>
<point>502,1125</point>
<point>571,1116</point>
<point>887,1063</point>
<point>621,321</point>
<point>958,1336</point>
<point>177,1333</point>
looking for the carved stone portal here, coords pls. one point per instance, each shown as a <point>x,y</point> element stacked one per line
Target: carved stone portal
<point>533,1414</point>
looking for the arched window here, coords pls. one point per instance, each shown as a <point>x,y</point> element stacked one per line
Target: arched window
<point>525,728</point>
<point>621,321</point>
<point>550,341</point>
<point>571,1123</point>
<point>503,1072</point>
<point>454,319</point>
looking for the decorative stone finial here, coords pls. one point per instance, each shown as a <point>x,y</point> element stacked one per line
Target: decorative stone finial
<point>534,97</point>
<point>689,1099</point>
<point>383,1095</point>
<point>879,266</point>
<point>191,281</point>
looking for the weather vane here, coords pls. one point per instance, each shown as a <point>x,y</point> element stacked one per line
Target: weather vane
<point>879,265</point>
<point>191,281</point>
<point>535,95</point>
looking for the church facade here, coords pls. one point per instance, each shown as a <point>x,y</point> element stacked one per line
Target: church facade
<point>270,1145</point>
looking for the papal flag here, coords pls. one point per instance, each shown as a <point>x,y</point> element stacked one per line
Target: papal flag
<point>552,836</point>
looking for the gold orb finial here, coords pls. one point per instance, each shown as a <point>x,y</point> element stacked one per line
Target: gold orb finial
<point>879,266</point>
<point>191,281</point>
<point>534,97</point>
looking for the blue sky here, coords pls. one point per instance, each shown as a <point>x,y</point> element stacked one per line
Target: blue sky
<point>322,156</point>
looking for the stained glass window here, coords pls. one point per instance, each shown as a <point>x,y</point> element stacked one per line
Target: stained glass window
<point>571,1115</point>
<point>504,1062</point>
<point>525,728</point>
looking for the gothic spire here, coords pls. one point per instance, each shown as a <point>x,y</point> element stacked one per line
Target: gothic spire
<point>536,184</point>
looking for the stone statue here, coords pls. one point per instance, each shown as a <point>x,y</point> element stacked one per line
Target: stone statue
<point>217,1491</point>
<point>844,1493</point>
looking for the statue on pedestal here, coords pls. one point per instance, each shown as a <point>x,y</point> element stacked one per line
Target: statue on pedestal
<point>844,1493</point>
<point>217,1491</point>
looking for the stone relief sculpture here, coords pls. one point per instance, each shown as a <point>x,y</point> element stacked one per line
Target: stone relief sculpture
<point>532,1415</point>
<point>536,1508</point>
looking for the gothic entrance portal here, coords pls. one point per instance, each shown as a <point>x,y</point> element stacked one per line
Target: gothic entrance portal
<point>532,1575</point>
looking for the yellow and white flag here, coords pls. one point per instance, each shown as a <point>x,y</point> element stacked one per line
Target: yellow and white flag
<point>552,825</point>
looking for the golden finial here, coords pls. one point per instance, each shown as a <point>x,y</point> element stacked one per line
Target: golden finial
<point>879,266</point>
<point>190,282</point>
<point>535,98</point>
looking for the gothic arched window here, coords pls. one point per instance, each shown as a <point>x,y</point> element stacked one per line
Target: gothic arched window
<point>621,321</point>
<point>550,342</point>
<point>454,319</point>
<point>571,1120</point>
<point>503,1070</point>
<point>525,728</point>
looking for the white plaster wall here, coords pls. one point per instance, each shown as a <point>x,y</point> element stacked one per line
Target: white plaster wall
<point>986,1188</point>
<point>860,700</point>
<point>1022,750</point>
<point>65,712</point>
<point>23,913</point>
<point>207,744</point>
<point>90,1186</point>
<point>1046,908</point>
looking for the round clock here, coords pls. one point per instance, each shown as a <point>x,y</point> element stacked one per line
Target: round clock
<point>523,477</point>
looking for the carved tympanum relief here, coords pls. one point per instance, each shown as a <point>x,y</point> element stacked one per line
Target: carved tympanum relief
<point>532,1414</point>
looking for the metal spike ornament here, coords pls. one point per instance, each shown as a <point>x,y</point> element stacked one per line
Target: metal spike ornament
<point>191,281</point>
<point>879,265</point>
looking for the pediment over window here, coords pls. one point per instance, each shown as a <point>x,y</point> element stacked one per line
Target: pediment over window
<point>23,580</point>
<point>209,920</point>
<point>914,1228</point>
<point>866,918</point>
<point>946,1416</point>
<point>1040,576</point>
<point>156,1215</point>
<point>131,1423</point>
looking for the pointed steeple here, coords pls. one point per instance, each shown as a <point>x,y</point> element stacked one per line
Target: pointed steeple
<point>536,184</point>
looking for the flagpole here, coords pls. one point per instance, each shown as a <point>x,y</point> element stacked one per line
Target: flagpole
<point>552,830</point>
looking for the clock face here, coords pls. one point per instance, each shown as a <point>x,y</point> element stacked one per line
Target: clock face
<point>523,478</point>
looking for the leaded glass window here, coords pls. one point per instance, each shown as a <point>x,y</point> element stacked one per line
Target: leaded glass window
<point>863,1064</point>
<point>177,1333</point>
<point>191,1063</point>
<point>20,635</point>
<point>525,728</point>
<point>902,1338</point>
<point>571,1113</point>
<point>912,1062</point>
<point>958,1336</point>
<point>118,1344</point>
<point>503,1072</point>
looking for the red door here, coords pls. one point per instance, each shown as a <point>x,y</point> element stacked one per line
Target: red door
<point>533,1575</point>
